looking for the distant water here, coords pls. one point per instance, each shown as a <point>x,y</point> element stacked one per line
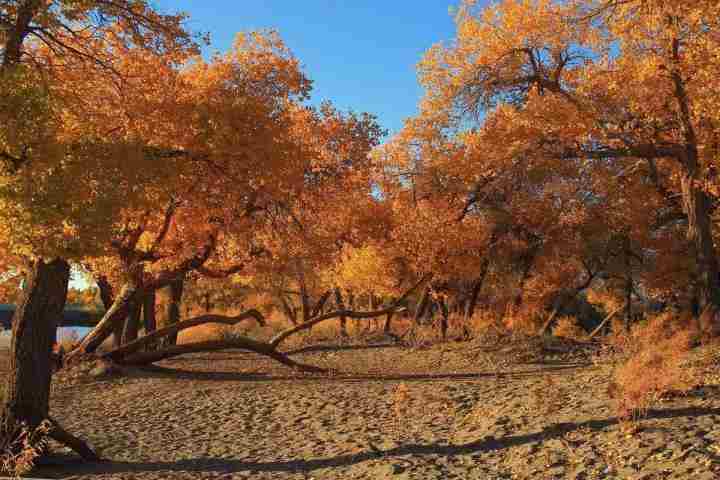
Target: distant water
<point>63,333</point>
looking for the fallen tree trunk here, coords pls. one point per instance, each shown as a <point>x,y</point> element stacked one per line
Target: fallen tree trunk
<point>262,348</point>
<point>113,317</point>
<point>118,354</point>
<point>282,336</point>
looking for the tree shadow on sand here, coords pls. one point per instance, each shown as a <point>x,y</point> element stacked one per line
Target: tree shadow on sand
<point>240,376</point>
<point>206,465</point>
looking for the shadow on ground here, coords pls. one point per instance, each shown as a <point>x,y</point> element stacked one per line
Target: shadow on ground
<point>181,374</point>
<point>71,466</point>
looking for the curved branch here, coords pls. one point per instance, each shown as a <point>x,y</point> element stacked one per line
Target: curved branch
<point>121,352</point>
<point>243,343</point>
<point>282,336</point>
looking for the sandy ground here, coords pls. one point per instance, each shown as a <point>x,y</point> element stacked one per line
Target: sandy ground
<point>452,411</point>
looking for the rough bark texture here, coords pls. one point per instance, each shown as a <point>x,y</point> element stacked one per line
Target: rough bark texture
<point>132,322</point>
<point>696,202</point>
<point>149,313</point>
<point>172,315</point>
<point>144,358</point>
<point>27,390</point>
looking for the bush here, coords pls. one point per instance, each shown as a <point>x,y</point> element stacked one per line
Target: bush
<point>23,448</point>
<point>655,354</point>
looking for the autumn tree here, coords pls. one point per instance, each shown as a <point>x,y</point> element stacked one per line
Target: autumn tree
<point>46,200</point>
<point>554,112</point>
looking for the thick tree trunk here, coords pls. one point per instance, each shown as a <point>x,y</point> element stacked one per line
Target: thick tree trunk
<point>696,202</point>
<point>132,322</point>
<point>27,389</point>
<point>697,208</point>
<point>172,315</point>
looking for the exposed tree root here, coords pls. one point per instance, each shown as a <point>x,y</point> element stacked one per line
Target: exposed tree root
<point>76,444</point>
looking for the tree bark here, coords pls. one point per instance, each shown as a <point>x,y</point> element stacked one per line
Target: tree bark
<point>27,389</point>
<point>341,306</point>
<point>132,322</point>
<point>172,315</point>
<point>444,314</point>
<point>113,317</point>
<point>108,298</point>
<point>317,310</point>
<point>149,313</point>
<point>118,354</point>
<point>16,35</point>
<point>422,307</point>
<point>696,202</point>
<point>476,288</point>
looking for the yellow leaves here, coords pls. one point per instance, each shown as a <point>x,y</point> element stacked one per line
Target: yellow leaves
<point>365,269</point>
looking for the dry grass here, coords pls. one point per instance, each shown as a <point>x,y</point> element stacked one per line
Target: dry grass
<point>18,457</point>
<point>655,365</point>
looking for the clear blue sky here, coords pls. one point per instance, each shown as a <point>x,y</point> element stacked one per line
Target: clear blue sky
<point>361,54</point>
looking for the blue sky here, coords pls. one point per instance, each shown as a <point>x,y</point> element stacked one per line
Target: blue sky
<point>361,54</point>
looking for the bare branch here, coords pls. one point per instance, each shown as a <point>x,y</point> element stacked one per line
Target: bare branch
<point>119,353</point>
<point>243,343</point>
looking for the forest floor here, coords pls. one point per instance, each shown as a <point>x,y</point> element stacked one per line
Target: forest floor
<point>449,411</point>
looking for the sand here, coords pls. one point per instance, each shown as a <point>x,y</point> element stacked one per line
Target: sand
<point>449,411</point>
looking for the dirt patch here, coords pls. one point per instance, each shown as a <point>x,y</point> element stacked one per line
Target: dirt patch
<point>449,411</point>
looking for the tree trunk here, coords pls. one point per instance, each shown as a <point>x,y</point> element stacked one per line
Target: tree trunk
<point>697,208</point>
<point>317,310</point>
<point>27,389</point>
<point>149,313</point>
<point>108,298</point>
<point>113,317</point>
<point>341,306</point>
<point>387,328</point>
<point>422,307</point>
<point>132,322</point>
<point>17,33</point>
<point>173,309</point>
<point>696,202</point>
<point>444,314</point>
<point>475,291</point>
